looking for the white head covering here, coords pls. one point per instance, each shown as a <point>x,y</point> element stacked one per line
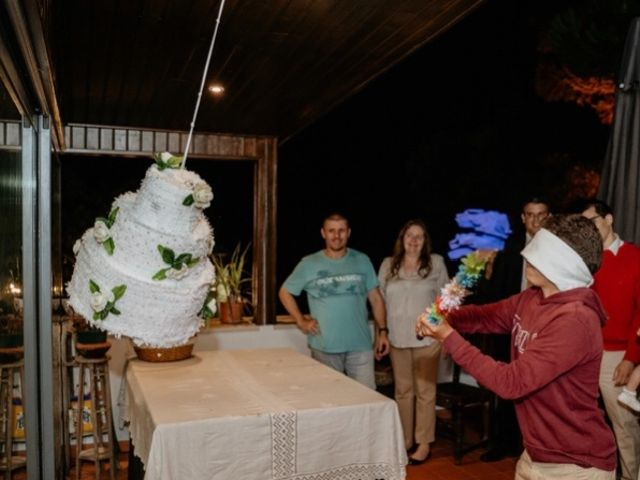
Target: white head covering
<point>557,261</point>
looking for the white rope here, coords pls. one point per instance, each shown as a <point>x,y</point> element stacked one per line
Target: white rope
<point>204,78</point>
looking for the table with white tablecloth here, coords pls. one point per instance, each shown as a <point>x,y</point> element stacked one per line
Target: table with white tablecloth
<point>259,414</point>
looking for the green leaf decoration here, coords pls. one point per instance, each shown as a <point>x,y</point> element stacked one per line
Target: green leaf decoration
<point>118,291</point>
<point>182,258</point>
<point>110,307</point>
<point>192,262</point>
<point>109,245</point>
<point>112,217</point>
<point>188,200</point>
<point>160,164</point>
<point>93,286</point>
<point>168,255</point>
<point>205,312</point>
<point>174,161</point>
<point>161,274</point>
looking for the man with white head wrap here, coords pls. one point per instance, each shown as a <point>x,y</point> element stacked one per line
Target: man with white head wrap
<point>556,350</point>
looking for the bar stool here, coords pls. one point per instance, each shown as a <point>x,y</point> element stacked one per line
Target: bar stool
<point>92,360</point>
<point>11,365</point>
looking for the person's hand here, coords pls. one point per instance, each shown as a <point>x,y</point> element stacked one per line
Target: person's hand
<point>426,329</point>
<point>382,346</point>
<point>309,325</point>
<point>622,372</point>
<point>489,256</point>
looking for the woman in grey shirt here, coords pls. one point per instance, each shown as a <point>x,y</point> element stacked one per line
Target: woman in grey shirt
<point>409,282</point>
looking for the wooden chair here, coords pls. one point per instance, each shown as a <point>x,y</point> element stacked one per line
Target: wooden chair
<point>459,397</point>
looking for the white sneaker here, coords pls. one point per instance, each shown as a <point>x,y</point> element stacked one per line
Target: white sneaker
<point>629,399</point>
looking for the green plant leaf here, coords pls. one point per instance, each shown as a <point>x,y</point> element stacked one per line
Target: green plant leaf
<point>93,286</point>
<point>160,274</point>
<point>115,311</point>
<point>188,200</point>
<point>96,316</point>
<point>231,275</point>
<point>118,291</point>
<point>168,255</point>
<point>109,245</point>
<point>103,314</point>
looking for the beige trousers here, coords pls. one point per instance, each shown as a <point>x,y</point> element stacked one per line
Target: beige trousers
<point>526,469</point>
<point>625,423</point>
<point>415,372</point>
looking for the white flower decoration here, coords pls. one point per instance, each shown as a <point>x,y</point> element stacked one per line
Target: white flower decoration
<point>202,195</point>
<point>99,301</point>
<point>213,306</point>
<point>101,231</point>
<point>178,274</point>
<point>76,247</point>
<point>165,156</point>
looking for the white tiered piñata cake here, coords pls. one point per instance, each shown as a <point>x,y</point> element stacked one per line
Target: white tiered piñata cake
<point>144,270</point>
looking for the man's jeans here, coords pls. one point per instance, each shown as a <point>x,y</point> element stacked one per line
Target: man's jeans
<point>356,365</point>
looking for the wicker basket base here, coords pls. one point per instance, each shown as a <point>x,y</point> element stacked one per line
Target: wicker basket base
<point>173,354</point>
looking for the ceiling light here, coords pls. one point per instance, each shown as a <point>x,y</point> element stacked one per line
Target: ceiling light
<point>216,89</point>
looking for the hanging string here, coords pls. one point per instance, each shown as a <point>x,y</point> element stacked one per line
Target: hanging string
<point>204,78</point>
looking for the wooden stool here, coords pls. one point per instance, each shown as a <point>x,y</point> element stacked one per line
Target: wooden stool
<point>14,358</point>
<point>91,359</point>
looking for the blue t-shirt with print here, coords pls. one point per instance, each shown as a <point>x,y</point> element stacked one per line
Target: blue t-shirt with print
<point>337,294</point>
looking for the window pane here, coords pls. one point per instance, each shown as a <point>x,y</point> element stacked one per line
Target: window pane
<point>11,298</point>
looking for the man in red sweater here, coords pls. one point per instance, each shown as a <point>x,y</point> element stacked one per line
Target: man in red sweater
<point>556,350</point>
<point>618,286</point>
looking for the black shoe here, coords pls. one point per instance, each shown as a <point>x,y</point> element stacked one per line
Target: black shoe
<point>412,449</point>
<point>413,461</point>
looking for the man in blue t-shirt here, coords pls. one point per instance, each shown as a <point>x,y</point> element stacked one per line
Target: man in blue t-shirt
<point>338,281</point>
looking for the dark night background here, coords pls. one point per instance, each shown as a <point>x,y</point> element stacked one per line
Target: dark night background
<point>456,125</point>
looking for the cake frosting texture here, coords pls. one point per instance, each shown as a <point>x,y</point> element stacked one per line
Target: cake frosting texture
<point>144,270</point>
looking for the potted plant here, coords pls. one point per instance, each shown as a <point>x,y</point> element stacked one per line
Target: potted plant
<point>231,278</point>
<point>86,333</point>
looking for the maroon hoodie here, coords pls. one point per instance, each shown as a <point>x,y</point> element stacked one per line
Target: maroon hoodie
<point>556,350</point>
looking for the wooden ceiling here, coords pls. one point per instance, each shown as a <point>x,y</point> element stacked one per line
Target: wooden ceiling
<point>283,63</point>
